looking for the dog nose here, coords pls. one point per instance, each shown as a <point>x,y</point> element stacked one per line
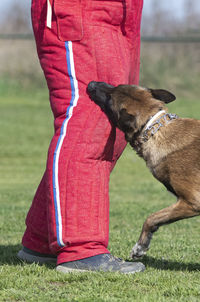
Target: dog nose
<point>91,86</point>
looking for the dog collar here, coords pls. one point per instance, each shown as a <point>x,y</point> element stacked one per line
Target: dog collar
<point>155,124</point>
<point>153,118</point>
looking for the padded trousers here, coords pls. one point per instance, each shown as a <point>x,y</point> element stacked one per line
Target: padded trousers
<point>87,40</point>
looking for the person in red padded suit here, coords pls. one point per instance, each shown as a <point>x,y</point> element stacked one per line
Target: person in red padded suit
<point>79,41</point>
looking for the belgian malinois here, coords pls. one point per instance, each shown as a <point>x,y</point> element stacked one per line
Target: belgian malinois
<point>170,145</point>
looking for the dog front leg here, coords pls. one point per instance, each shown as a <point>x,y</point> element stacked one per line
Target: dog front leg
<point>177,211</point>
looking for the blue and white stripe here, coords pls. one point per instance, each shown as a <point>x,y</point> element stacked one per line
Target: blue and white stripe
<point>69,112</point>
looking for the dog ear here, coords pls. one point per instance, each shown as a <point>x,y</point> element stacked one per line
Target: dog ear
<point>163,95</point>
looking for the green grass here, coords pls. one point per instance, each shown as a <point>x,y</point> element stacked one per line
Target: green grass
<point>173,261</point>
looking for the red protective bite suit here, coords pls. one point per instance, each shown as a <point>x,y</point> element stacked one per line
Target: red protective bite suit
<point>88,40</point>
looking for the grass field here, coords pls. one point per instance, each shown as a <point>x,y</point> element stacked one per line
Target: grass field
<point>173,262</point>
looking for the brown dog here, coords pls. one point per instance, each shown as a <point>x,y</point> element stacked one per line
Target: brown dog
<point>169,145</point>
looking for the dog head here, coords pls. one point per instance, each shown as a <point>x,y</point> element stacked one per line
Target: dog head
<point>129,107</point>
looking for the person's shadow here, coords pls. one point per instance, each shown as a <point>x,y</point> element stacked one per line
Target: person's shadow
<point>8,255</point>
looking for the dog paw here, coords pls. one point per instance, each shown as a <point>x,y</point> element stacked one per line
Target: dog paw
<point>138,251</point>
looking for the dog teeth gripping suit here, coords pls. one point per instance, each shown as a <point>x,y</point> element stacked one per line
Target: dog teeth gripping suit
<point>79,41</point>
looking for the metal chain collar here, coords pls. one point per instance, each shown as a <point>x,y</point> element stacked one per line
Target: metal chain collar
<point>158,124</point>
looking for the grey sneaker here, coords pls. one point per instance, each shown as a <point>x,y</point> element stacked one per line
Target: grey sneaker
<point>31,256</point>
<point>101,263</point>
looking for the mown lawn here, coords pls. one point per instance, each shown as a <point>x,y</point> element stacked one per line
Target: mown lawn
<point>173,262</point>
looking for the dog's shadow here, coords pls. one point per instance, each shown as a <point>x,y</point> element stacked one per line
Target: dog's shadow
<point>163,264</point>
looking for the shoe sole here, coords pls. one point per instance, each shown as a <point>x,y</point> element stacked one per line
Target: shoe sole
<point>66,270</point>
<point>26,257</point>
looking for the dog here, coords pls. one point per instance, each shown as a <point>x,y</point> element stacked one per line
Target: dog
<point>170,145</point>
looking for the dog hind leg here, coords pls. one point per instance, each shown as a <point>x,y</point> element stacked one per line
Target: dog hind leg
<point>180,210</point>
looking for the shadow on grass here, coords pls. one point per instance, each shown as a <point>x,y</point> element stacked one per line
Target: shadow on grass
<point>163,264</point>
<point>9,255</point>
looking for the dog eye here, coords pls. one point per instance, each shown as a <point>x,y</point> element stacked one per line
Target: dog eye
<point>109,101</point>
